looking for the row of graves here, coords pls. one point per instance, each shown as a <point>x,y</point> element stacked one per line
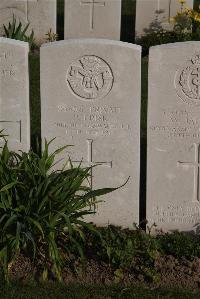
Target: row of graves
<point>91,98</point>
<point>89,18</point>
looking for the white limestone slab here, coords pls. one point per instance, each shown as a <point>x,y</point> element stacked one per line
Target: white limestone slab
<point>14,93</point>
<point>93,19</point>
<point>41,14</point>
<point>173,166</point>
<point>153,14</point>
<point>90,96</point>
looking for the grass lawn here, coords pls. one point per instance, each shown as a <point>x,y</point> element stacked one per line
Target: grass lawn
<point>57,291</point>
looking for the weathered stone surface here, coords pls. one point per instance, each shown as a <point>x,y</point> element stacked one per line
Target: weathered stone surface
<point>173,171</point>
<point>41,14</point>
<point>14,93</point>
<point>90,95</point>
<point>93,19</point>
<point>155,14</point>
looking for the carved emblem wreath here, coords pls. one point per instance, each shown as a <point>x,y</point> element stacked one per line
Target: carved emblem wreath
<point>188,82</point>
<point>90,78</point>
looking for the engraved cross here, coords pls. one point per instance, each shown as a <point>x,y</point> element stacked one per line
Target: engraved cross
<point>26,11</point>
<point>196,168</point>
<point>158,5</point>
<point>159,9</point>
<point>169,10</point>
<point>26,8</point>
<point>92,4</point>
<point>90,162</point>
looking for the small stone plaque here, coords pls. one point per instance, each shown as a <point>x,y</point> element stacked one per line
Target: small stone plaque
<point>93,19</point>
<point>14,93</point>
<point>90,96</point>
<point>173,171</point>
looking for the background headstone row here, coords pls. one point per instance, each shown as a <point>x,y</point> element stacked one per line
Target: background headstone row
<point>89,18</point>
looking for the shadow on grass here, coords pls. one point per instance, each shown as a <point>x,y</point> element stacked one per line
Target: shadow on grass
<point>58,291</point>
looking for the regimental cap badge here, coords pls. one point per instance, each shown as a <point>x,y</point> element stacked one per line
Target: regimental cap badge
<point>90,78</point>
<point>187,82</point>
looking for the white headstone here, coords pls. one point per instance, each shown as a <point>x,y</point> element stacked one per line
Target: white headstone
<point>41,14</point>
<point>90,95</point>
<point>14,93</point>
<point>173,170</point>
<point>93,19</point>
<point>154,14</point>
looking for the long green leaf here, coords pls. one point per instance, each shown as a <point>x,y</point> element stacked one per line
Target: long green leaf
<point>36,224</point>
<point>8,186</point>
<point>103,191</point>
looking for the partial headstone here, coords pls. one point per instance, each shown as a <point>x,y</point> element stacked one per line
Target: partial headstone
<point>152,15</point>
<point>93,19</point>
<point>41,14</point>
<point>14,93</point>
<point>173,170</point>
<point>90,96</point>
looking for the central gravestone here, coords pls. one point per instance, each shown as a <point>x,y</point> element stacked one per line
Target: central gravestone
<point>90,95</point>
<point>14,93</point>
<point>173,172</point>
<point>93,19</point>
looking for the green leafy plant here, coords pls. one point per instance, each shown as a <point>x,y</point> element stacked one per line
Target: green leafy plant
<point>180,245</point>
<point>40,207</point>
<point>16,31</point>
<point>121,248</point>
<point>183,20</point>
<point>185,26</point>
<point>161,36</point>
<point>51,36</point>
<point>186,18</point>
